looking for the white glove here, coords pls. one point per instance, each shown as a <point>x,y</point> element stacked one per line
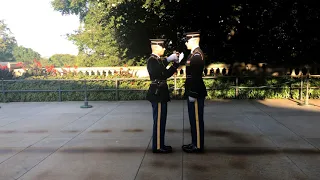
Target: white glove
<point>172,57</point>
<point>181,57</point>
<point>191,99</point>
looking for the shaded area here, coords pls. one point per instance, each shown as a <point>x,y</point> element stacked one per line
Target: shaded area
<point>133,130</point>
<point>101,131</point>
<point>239,151</point>
<point>38,131</point>
<point>7,131</point>
<point>70,131</point>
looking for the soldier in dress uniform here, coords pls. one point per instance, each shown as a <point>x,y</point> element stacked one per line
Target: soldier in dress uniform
<point>195,92</point>
<point>158,92</point>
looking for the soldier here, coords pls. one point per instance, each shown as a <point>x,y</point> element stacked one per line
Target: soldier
<point>195,92</point>
<point>158,92</point>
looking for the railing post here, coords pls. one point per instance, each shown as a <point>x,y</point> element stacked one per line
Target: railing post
<point>175,85</point>
<point>59,90</point>
<point>86,105</point>
<point>237,88</point>
<point>301,88</point>
<point>3,92</point>
<point>306,102</point>
<point>117,92</point>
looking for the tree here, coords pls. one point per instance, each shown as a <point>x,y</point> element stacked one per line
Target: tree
<point>7,42</point>
<point>44,61</point>
<point>95,39</point>
<point>280,32</point>
<point>114,32</point>
<point>61,60</point>
<point>273,31</point>
<point>25,55</point>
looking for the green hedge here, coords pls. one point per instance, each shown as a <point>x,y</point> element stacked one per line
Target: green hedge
<point>219,88</point>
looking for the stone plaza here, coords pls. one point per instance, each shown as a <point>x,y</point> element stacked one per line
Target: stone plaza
<point>244,139</point>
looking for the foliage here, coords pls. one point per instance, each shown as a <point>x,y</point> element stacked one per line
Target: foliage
<point>61,60</point>
<point>101,86</point>
<point>44,61</point>
<point>25,55</point>
<point>5,73</point>
<point>135,89</point>
<point>273,31</point>
<point>10,51</point>
<point>95,39</point>
<point>7,43</point>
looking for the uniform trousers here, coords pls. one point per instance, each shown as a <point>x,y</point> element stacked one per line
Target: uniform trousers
<point>195,111</point>
<point>159,111</point>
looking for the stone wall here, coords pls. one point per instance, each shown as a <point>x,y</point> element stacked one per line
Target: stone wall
<point>10,65</point>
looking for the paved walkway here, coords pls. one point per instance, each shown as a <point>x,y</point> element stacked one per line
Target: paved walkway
<point>272,139</point>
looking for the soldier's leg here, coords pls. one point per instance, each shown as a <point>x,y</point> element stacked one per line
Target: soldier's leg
<point>191,106</point>
<point>156,109</point>
<point>200,102</point>
<point>163,122</point>
<point>198,120</point>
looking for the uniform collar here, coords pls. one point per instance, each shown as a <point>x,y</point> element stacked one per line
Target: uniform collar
<point>194,49</point>
<point>156,55</point>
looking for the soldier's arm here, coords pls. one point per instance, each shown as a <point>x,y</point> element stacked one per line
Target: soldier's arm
<point>153,68</point>
<point>169,72</point>
<point>157,71</point>
<point>165,62</point>
<point>197,63</point>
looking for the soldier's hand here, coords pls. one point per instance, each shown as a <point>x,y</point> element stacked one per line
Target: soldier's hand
<point>181,57</point>
<point>172,57</point>
<point>191,99</point>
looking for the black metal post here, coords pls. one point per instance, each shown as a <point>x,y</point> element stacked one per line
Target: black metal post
<point>237,88</point>
<point>59,91</point>
<point>301,88</point>
<point>175,85</point>
<point>306,102</point>
<point>86,105</point>
<point>3,92</point>
<point>117,92</point>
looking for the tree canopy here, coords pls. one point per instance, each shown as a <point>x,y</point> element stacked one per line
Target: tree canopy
<point>25,55</point>
<point>7,43</point>
<point>9,49</point>
<point>61,60</point>
<point>115,32</point>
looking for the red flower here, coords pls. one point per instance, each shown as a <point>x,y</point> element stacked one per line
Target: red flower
<point>20,64</point>
<point>38,63</point>
<point>3,67</point>
<point>50,68</point>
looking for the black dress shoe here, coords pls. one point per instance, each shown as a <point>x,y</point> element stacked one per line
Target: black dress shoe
<point>192,149</point>
<point>162,150</point>
<point>187,146</point>
<point>168,147</point>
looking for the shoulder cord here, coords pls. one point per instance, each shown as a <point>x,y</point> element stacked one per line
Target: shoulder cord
<point>201,58</point>
<point>195,53</point>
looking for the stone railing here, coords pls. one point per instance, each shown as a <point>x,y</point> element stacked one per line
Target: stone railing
<point>212,69</point>
<point>137,71</point>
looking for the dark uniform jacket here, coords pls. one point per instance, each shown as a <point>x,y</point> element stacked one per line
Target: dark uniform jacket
<point>194,85</point>
<point>158,90</point>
